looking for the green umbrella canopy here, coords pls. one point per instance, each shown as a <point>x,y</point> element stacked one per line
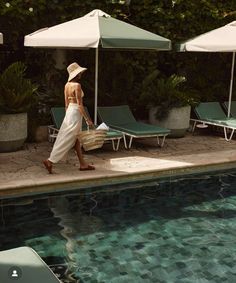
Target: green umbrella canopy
<point>118,34</point>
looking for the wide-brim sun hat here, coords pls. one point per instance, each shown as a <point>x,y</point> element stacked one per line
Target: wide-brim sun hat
<point>74,69</point>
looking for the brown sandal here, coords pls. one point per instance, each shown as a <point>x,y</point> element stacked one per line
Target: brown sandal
<point>47,166</point>
<point>89,167</point>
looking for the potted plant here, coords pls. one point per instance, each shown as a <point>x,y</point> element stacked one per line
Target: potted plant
<point>16,96</point>
<point>169,102</point>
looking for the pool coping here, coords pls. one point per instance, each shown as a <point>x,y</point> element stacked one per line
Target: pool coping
<point>47,187</point>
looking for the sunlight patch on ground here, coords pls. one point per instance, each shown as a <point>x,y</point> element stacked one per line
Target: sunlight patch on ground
<point>142,164</point>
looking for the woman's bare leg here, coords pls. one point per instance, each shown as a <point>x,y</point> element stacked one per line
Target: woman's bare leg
<point>83,164</point>
<point>48,164</point>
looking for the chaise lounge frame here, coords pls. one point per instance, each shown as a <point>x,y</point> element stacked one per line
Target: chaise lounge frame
<point>211,113</point>
<point>121,118</point>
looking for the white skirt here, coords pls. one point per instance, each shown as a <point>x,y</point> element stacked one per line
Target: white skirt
<point>67,134</point>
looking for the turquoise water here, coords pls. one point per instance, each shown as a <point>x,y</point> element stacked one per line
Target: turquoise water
<point>169,230</point>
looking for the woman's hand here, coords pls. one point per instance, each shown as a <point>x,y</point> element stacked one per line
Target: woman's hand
<point>90,124</point>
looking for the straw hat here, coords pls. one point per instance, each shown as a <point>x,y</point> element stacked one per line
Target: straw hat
<point>74,69</point>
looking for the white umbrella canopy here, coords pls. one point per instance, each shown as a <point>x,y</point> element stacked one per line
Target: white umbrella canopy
<point>222,39</point>
<point>97,29</point>
<point>1,38</point>
<point>78,33</point>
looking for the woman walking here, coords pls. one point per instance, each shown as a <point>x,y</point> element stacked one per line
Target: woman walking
<point>67,137</point>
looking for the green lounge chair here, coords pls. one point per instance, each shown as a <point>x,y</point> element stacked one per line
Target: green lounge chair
<point>24,265</point>
<point>211,113</point>
<point>232,108</point>
<point>121,118</point>
<point>58,114</point>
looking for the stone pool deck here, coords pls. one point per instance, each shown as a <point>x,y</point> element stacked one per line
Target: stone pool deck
<point>22,172</point>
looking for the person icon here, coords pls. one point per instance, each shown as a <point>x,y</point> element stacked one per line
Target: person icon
<point>14,273</point>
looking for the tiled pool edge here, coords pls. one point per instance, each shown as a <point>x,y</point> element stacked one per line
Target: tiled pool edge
<point>39,188</point>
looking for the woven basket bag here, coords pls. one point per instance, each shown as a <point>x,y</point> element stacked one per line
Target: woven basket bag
<point>92,139</point>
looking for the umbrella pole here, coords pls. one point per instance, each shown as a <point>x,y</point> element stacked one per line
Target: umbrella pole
<point>231,84</point>
<point>96,87</point>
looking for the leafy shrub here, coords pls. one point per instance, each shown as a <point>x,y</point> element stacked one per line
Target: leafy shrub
<point>16,91</point>
<point>166,93</point>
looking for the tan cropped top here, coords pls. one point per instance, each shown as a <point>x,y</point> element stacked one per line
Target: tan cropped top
<point>72,97</point>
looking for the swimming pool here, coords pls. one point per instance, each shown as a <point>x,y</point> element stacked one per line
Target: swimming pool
<point>169,230</point>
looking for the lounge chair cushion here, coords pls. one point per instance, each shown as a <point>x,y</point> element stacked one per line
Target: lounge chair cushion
<point>121,118</point>
<point>113,134</point>
<point>213,112</point>
<point>58,114</point>
<point>141,129</point>
<point>121,115</point>
<point>232,108</point>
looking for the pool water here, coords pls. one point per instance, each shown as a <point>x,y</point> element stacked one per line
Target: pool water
<point>168,230</point>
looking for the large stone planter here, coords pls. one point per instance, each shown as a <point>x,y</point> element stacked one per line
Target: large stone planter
<point>177,120</point>
<point>13,131</point>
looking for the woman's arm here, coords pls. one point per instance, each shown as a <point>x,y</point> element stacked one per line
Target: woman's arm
<point>81,106</point>
<point>66,99</point>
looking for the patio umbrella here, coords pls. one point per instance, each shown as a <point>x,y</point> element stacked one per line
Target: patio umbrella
<point>97,29</point>
<point>1,38</point>
<point>222,39</point>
